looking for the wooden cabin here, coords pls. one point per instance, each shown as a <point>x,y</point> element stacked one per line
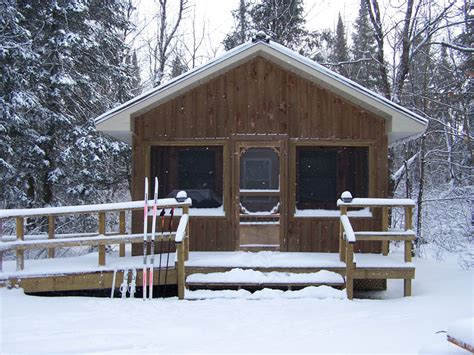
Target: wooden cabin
<point>264,141</point>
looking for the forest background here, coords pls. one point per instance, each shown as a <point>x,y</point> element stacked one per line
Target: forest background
<point>63,63</point>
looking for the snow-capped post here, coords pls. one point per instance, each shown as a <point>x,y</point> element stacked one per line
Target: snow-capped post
<point>181,196</point>
<point>346,196</point>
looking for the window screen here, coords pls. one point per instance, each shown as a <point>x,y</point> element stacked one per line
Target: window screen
<point>198,170</point>
<point>323,173</point>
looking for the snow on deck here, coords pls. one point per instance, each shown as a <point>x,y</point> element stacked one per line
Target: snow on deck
<point>271,259</point>
<point>321,292</point>
<point>87,263</point>
<point>239,259</point>
<point>258,278</point>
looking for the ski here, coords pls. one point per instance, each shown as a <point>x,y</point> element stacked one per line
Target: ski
<point>124,285</point>
<point>170,227</point>
<point>145,239</point>
<point>133,284</point>
<point>153,233</point>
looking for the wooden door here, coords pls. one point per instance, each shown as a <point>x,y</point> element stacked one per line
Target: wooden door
<point>258,180</point>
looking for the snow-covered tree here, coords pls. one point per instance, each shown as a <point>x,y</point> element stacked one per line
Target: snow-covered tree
<point>339,57</point>
<point>63,63</point>
<point>364,66</point>
<point>282,20</point>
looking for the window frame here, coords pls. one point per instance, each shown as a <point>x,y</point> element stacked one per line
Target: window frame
<point>147,148</point>
<point>324,143</point>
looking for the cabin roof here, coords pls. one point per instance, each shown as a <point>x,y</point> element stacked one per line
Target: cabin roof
<point>400,122</point>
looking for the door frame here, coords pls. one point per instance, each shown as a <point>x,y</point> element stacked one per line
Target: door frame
<point>238,144</point>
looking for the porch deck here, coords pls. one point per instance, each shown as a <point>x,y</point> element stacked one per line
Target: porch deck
<point>83,273</point>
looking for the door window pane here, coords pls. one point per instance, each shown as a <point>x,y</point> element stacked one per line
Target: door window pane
<point>259,169</point>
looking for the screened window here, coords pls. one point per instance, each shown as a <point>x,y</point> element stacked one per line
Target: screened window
<point>198,170</point>
<point>323,173</point>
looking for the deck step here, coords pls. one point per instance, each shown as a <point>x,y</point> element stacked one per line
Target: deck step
<point>321,292</point>
<point>259,247</point>
<point>241,278</point>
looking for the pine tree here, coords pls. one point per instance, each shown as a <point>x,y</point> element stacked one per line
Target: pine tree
<point>74,69</point>
<point>282,20</point>
<point>339,58</point>
<point>241,32</point>
<point>364,69</point>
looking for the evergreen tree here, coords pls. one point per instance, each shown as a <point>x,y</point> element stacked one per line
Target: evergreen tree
<point>339,58</point>
<point>241,32</point>
<point>75,70</point>
<point>282,20</point>
<point>364,69</point>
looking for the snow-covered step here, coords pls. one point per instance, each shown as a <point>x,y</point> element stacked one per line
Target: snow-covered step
<point>266,294</point>
<point>252,278</point>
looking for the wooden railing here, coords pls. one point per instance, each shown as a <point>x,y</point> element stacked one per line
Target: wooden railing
<point>101,239</point>
<point>347,236</point>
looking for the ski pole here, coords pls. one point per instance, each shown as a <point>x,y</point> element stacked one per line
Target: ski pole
<point>162,216</point>
<point>113,282</point>
<point>170,226</point>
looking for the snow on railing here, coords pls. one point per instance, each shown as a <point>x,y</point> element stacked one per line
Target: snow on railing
<point>347,236</point>
<point>347,227</point>
<point>100,239</point>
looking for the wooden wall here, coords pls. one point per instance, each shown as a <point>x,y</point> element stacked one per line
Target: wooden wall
<point>260,97</point>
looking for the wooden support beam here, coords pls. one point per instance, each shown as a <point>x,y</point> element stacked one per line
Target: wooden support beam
<point>181,274</point>
<point>350,270</point>
<point>20,235</point>
<point>407,287</point>
<point>51,227</point>
<point>385,243</point>
<point>342,241</point>
<point>122,231</point>
<point>102,232</point>
<point>408,248</point>
<point>186,238</point>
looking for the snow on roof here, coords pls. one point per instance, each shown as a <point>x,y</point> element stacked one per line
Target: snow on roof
<point>401,122</point>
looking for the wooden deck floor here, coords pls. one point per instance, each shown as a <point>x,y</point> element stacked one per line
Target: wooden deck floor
<point>82,272</point>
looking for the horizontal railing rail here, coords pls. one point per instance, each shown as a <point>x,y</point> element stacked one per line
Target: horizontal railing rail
<point>100,239</point>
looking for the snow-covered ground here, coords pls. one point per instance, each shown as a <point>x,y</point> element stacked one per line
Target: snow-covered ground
<point>442,293</point>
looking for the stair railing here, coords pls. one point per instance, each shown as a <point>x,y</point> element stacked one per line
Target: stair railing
<point>348,238</point>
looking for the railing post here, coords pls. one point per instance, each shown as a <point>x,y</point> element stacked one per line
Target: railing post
<point>101,232</point>
<point>20,235</point>
<point>180,268</point>
<point>186,239</point>
<point>51,227</point>
<point>385,243</point>
<point>350,270</point>
<point>342,241</point>
<point>408,248</point>
<point>122,231</point>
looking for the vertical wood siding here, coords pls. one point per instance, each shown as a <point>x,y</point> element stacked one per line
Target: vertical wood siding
<point>260,97</point>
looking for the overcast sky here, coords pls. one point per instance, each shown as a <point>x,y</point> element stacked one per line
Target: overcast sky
<point>216,15</point>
